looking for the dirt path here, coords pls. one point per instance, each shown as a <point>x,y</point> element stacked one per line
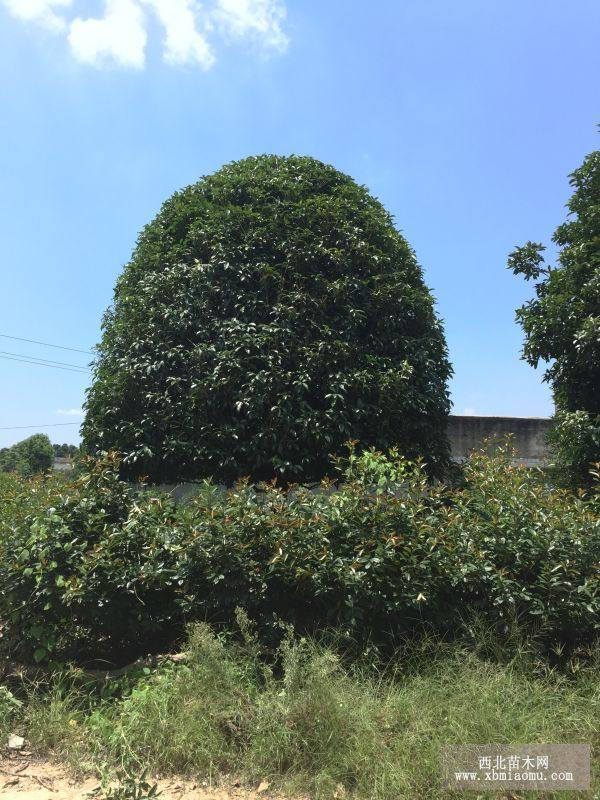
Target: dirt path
<point>24,778</point>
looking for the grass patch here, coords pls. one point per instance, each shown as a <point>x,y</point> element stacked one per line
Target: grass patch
<point>313,724</point>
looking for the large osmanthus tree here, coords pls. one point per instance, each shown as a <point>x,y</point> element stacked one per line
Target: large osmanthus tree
<point>562,322</point>
<point>269,313</point>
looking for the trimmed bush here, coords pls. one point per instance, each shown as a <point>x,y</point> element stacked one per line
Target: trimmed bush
<point>73,571</point>
<point>269,313</point>
<point>109,572</point>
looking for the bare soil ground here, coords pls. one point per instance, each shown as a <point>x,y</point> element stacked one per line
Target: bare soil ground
<point>26,778</point>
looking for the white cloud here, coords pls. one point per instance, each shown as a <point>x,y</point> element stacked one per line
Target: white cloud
<point>468,412</point>
<point>70,412</point>
<point>259,19</point>
<point>119,36</point>
<point>183,42</point>
<point>42,11</point>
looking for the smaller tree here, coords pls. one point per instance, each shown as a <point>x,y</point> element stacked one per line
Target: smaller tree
<point>8,459</point>
<point>562,323</point>
<point>28,457</point>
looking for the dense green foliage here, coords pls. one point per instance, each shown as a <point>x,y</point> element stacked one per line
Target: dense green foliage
<point>315,726</point>
<point>100,570</point>
<point>562,323</point>
<point>269,313</point>
<point>29,457</point>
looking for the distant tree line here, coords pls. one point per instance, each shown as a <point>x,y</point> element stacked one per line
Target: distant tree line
<point>65,450</point>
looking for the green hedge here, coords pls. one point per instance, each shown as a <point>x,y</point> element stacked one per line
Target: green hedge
<point>102,570</point>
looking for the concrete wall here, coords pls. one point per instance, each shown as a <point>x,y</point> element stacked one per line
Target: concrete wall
<point>528,436</point>
<point>465,434</point>
<point>63,464</point>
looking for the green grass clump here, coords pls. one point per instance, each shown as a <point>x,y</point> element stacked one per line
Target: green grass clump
<point>313,724</point>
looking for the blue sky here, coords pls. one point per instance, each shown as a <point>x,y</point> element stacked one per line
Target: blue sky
<point>464,118</point>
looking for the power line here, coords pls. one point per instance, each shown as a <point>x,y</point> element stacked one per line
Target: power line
<point>44,363</point>
<point>46,344</point>
<point>48,361</point>
<point>51,425</point>
<point>80,370</point>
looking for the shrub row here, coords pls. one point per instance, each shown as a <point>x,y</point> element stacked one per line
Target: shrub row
<point>101,570</point>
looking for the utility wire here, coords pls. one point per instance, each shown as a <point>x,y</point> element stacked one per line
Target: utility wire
<point>46,344</point>
<point>51,425</point>
<point>42,362</point>
<point>45,360</point>
<point>80,370</point>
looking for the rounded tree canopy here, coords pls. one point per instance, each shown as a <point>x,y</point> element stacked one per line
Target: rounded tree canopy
<point>270,313</point>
